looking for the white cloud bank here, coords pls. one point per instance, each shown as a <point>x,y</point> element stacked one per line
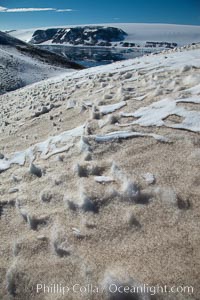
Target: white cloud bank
<point>15,10</point>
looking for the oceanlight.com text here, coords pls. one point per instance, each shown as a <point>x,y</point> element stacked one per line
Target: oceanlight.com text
<point>113,288</point>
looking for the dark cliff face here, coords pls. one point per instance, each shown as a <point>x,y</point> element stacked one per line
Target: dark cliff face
<point>41,36</point>
<point>88,35</point>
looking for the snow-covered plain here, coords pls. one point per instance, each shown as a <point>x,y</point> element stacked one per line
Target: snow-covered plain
<point>99,179</point>
<point>137,33</point>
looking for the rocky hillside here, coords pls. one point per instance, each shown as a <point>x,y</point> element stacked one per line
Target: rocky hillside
<point>22,64</point>
<point>99,183</point>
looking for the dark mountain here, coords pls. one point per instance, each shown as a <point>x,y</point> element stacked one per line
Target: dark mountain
<point>87,35</point>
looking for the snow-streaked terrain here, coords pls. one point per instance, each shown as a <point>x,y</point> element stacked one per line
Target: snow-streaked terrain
<point>99,179</point>
<point>21,64</point>
<point>138,33</point>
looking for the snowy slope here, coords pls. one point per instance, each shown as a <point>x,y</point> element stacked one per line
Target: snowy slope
<point>22,64</point>
<point>138,33</point>
<point>99,180</point>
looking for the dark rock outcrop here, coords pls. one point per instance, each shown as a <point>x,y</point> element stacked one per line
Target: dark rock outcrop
<point>87,35</point>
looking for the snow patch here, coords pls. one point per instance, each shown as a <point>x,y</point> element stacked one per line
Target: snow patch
<point>107,109</point>
<point>46,148</point>
<point>156,113</point>
<point>117,135</point>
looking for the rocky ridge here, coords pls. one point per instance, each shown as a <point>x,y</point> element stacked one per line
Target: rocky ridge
<point>23,64</point>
